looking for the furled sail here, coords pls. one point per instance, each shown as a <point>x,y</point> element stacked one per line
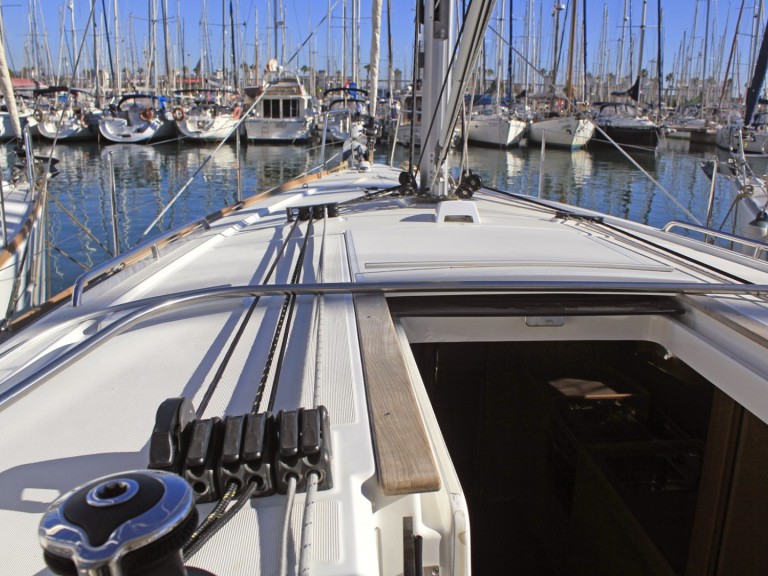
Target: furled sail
<point>756,86</point>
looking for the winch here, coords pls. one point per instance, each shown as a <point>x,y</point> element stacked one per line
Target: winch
<point>128,524</point>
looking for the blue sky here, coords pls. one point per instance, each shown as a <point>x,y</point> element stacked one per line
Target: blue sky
<point>301,16</point>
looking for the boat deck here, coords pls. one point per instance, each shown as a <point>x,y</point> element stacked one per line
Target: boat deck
<point>193,319</point>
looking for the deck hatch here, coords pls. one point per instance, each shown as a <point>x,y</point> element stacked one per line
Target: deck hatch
<point>534,305</point>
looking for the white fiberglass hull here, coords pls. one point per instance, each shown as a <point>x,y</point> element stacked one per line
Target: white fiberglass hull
<point>287,130</point>
<point>733,137</point>
<point>207,128</point>
<point>6,127</point>
<point>568,132</point>
<point>495,130</point>
<point>71,127</point>
<point>122,131</point>
<point>20,252</point>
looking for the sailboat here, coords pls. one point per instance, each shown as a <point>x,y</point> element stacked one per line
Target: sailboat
<point>212,116</point>
<point>558,130</point>
<point>137,119</point>
<point>623,121</point>
<point>371,371</point>
<point>63,113</point>
<point>750,133</point>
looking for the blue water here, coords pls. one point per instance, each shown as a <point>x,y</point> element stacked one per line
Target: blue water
<point>147,177</point>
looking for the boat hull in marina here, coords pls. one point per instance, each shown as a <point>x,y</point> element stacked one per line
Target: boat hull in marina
<point>637,136</point>
<point>287,131</point>
<point>735,137</point>
<point>495,130</point>
<point>120,130</point>
<point>622,123</point>
<point>71,127</point>
<point>207,126</point>
<point>6,127</point>
<point>282,111</point>
<point>568,132</point>
<point>136,119</point>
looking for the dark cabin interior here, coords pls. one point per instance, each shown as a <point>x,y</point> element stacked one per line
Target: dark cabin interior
<point>599,457</point>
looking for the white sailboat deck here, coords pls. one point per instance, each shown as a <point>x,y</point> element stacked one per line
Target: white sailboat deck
<point>93,414</point>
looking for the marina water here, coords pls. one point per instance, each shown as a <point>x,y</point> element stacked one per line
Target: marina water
<point>148,177</point>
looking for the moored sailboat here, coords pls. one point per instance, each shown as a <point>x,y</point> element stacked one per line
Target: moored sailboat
<point>211,118</point>
<point>63,113</point>
<point>136,119</point>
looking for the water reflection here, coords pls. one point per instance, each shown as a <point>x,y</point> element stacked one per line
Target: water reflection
<point>147,177</point>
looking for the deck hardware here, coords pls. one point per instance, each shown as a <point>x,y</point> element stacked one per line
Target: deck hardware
<point>314,210</point>
<point>304,447</point>
<point>250,449</point>
<point>246,456</point>
<point>170,435</point>
<point>202,459</point>
<point>120,525</point>
<point>470,183</point>
<point>457,211</point>
<point>567,215</point>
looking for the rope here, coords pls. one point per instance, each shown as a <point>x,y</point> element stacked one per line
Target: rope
<point>305,552</point>
<point>241,329</point>
<point>290,305</point>
<point>192,548</point>
<point>283,566</point>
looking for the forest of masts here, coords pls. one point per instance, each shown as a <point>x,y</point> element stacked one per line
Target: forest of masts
<point>541,45</point>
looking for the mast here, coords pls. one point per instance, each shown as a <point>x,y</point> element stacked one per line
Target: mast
<point>375,47</point>
<point>585,94</point>
<point>276,17</point>
<point>119,77</point>
<point>223,43</point>
<point>74,39</point>
<point>556,15</point>
<point>620,54</point>
<point>730,56</point>
<point>569,78</point>
<point>97,84</point>
<point>170,77</point>
<point>640,53</point>
<point>509,57</point>
<point>660,58</point>
<point>234,58</point>
<point>441,110</point>
<point>109,45</point>
<point>343,42</point>
<point>704,64</point>
<point>328,48</point>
